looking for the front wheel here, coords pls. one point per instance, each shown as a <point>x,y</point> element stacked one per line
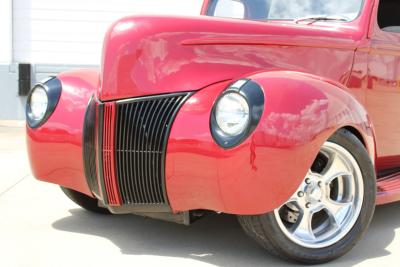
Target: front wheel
<point>330,211</point>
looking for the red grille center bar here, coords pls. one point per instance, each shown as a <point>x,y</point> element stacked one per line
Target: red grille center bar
<point>110,181</point>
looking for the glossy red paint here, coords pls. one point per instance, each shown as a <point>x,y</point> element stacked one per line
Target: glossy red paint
<point>375,81</point>
<point>55,148</point>
<point>383,92</point>
<point>155,55</point>
<point>109,171</point>
<point>274,159</point>
<point>316,78</point>
<point>388,189</point>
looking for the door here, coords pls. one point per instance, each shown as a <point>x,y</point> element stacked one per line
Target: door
<point>383,92</point>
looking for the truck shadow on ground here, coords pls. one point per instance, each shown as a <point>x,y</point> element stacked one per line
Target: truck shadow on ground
<point>216,239</point>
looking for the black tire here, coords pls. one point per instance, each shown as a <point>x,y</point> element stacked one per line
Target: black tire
<point>84,201</point>
<point>266,231</point>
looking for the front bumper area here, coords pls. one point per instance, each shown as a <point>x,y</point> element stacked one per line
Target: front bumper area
<point>156,154</point>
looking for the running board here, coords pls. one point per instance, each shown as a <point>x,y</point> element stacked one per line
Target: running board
<point>388,189</point>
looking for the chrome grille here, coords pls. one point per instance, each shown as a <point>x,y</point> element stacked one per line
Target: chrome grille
<point>141,132</point>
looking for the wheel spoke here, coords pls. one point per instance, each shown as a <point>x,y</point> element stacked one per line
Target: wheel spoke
<point>303,228</point>
<point>314,175</point>
<point>340,189</point>
<point>327,203</point>
<point>299,201</point>
<point>336,167</point>
<point>337,211</point>
<point>293,198</point>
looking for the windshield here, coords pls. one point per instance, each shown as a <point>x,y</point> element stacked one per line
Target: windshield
<point>343,10</point>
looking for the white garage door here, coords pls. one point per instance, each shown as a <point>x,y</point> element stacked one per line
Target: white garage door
<point>71,31</point>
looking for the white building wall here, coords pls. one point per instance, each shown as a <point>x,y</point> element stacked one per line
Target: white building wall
<point>11,106</point>
<point>71,32</point>
<point>55,35</point>
<point>5,31</point>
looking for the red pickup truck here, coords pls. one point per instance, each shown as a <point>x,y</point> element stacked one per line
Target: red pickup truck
<point>285,113</point>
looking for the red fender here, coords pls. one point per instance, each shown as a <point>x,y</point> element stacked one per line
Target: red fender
<point>55,148</point>
<point>301,112</point>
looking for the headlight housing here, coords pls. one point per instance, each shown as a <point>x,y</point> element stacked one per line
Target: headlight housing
<point>42,101</point>
<point>236,113</point>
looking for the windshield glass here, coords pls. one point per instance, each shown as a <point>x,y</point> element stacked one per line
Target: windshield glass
<point>345,10</point>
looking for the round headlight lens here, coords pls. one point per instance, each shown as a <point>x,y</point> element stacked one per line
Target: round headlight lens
<point>232,114</point>
<point>38,103</point>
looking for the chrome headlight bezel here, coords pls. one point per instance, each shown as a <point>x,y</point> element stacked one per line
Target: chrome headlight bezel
<point>38,103</point>
<point>232,113</point>
<point>253,94</point>
<point>52,87</point>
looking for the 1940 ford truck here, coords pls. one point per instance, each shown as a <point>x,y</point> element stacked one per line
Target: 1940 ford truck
<point>285,113</point>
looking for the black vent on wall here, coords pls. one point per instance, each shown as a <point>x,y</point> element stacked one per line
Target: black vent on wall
<point>24,79</point>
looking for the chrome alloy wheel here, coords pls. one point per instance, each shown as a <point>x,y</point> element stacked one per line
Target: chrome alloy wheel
<point>328,202</point>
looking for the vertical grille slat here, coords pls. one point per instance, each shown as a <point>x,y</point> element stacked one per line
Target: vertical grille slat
<point>143,149</point>
<point>145,152</point>
<point>129,156</point>
<point>138,170</point>
<point>109,163</point>
<point>134,195</point>
<point>106,154</point>
<point>129,172</point>
<point>159,141</point>
<point>119,144</point>
<point>141,130</point>
<point>157,138</point>
<point>153,157</point>
<point>150,156</point>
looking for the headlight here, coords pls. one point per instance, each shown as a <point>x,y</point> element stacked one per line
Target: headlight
<point>232,113</point>
<point>236,113</point>
<point>38,103</point>
<point>42,101</point>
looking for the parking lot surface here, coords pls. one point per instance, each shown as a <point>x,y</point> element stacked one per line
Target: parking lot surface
<point>39,226</point>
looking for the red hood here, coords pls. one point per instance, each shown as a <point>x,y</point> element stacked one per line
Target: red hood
<point>155,55</point>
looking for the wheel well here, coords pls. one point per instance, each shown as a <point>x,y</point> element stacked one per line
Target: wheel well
<point>356,133</point>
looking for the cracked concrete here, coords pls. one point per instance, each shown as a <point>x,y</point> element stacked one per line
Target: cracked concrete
<point>39,226</point>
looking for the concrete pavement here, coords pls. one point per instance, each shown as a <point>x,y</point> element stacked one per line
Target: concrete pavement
<point>39,226</point>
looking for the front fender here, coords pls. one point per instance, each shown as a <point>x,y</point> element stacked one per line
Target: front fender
<point>301,112</point>
<point>55,148</point>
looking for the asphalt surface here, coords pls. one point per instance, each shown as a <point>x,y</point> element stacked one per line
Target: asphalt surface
<point>39,226</point>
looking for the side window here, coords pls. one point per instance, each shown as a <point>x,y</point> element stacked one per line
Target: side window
<point>229,9</point>
<point>389,15</point>
<point>239,9</point>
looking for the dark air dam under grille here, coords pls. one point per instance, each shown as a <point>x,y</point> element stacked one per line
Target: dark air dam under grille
<point>141,132</point>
